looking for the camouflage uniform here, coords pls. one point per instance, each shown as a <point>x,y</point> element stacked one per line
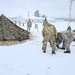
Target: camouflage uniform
<point>67,37</point>
<point>45,22</point>
<point>29,24</point>
<point>59,40</point>
<point>49,35</point>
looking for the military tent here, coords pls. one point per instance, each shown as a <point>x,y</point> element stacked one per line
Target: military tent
<point>10,31</point>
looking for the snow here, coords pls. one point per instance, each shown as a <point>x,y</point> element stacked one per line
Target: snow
<point>28,59</point>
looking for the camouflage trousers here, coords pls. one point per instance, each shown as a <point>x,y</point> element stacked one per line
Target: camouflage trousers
<point>65,43</point>
<point>52,42</point>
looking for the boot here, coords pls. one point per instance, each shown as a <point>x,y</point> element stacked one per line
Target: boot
<point>67,51</point>
<point>44,51</point>
<point>53,52</point>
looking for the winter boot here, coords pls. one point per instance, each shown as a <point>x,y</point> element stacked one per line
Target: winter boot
<point>67,51</point>
<point>44,51</point>
<point>53,52</point>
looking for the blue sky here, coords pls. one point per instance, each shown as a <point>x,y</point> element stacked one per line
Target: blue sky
<point>51,8</point>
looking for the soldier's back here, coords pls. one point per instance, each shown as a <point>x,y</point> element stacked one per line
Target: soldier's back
<point>49,29</point>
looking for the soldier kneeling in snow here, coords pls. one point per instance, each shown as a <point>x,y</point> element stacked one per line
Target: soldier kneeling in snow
<point>67,38</point>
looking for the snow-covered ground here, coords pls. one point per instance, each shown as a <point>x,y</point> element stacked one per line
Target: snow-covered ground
<point>28,58</point>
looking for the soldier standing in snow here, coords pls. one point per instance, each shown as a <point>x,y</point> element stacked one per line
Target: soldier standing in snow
<point>49,33</point>
<point>67,37</point>
<point>29,25</point>
<point>45,22</point>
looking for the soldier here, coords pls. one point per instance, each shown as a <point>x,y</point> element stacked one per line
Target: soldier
<point>29,25</point>
<point>60,40</point>
<point>67,37</point>
<point>49,35</point>
<point>45,22</point>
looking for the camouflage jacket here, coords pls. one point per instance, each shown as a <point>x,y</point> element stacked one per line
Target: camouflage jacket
<point>49,30</point>
<point>67,35</point>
